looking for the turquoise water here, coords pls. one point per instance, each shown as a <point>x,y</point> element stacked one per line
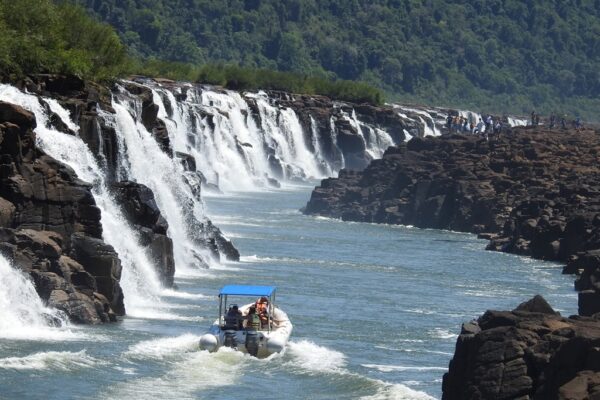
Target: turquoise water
<point>376,310</point>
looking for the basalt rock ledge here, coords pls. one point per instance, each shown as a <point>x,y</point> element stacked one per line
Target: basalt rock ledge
<point>531,352</point>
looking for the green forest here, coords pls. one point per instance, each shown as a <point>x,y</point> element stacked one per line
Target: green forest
<point>497,54</point>
<point>489,55</point>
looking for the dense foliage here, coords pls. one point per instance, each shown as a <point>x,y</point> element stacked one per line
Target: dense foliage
<point>505,54</point>
<point>39,36</point>
<point>244,78</point>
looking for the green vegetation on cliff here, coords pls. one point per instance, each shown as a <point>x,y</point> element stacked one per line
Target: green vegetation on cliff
<point>42,36</point>
<point>508,55</point>
<point>244,78</point>
<point>37,36</point>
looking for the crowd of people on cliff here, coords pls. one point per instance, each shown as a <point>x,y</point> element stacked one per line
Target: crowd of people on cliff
<point>495,125</point>
<point>461,124</point>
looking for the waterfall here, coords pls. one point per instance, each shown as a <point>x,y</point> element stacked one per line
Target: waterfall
<point>149,165</point>
<point>427,120</point>
<point>317,145</point>
<point>139,280</point>
<point>233,144</point>
<point>376,140</point>
<point>433,120</point>
<point>24,316</point>
<point>246,141</point>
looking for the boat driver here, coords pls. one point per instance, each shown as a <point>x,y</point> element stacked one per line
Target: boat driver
<point>262,309</point>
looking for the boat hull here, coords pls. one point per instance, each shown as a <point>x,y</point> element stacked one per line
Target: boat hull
<point>260,344</point>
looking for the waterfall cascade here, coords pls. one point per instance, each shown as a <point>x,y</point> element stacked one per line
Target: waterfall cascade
<point>164,141</point>
<point>139,279</point>
<point>23,313</point>
<point>245,141</point>
<point>431,121</point>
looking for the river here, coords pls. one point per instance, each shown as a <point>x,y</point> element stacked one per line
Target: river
<point>376,310</point>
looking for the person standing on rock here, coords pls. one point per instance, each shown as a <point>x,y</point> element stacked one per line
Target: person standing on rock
<point>480,128</point>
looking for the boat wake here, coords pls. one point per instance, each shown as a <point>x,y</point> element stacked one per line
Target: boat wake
<point>54,360</point>
<point>314,358</point>
<point>163,348</point>
<point>196,372</point>
<point>308,357</point>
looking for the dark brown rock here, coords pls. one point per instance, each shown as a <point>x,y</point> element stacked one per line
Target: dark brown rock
<point>44,209</point>
<point>531,352</point>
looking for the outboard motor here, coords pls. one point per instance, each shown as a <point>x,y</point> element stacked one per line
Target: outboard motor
<point>229,339</point>
<point>252,342</point>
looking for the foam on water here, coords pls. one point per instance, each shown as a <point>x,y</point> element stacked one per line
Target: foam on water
<point>442,334</point>
<point>392,368</point>
<point>389,391</point>
<point>24,316</point>
<point>314,358</point>
<point>55,360</point>
<point>184,379</point>
<point>163,347</point>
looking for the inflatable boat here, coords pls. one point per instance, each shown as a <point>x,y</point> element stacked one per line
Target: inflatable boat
<point>259,328</point>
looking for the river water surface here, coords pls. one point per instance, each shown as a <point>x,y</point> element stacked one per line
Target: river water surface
<point>376,310</point>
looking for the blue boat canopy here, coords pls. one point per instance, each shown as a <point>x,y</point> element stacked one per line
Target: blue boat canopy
<point>245,290</point>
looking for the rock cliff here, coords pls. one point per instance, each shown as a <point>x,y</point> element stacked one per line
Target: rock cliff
<point>528,353</point>
<point>50,226</point>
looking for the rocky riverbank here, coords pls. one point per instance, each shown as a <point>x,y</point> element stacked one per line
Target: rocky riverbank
<point>531,352</point>
<point>533,192</point>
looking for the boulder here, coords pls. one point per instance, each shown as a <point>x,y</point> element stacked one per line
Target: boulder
<point>531,352</point>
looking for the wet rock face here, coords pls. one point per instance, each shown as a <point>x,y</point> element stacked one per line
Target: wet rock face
<point>45,210</point>
<point>343,145</point>
<point>149,116</point>
<point>528,353</point>
<point>83,100</point>
<point>142,212</point>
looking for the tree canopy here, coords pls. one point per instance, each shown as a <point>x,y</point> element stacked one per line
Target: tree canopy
<point>507,54</point>
<point>38,36</point>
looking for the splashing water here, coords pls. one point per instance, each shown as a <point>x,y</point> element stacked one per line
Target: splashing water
<point>139,280</point>
<point>24,315</point>
<point>149,165</point>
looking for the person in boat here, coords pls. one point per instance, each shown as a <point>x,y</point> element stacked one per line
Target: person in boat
<point>262,309</point>
<point>233,318</point>
<point>253,322</point>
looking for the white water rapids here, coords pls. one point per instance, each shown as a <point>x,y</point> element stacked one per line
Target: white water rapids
<point>23,315</point>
